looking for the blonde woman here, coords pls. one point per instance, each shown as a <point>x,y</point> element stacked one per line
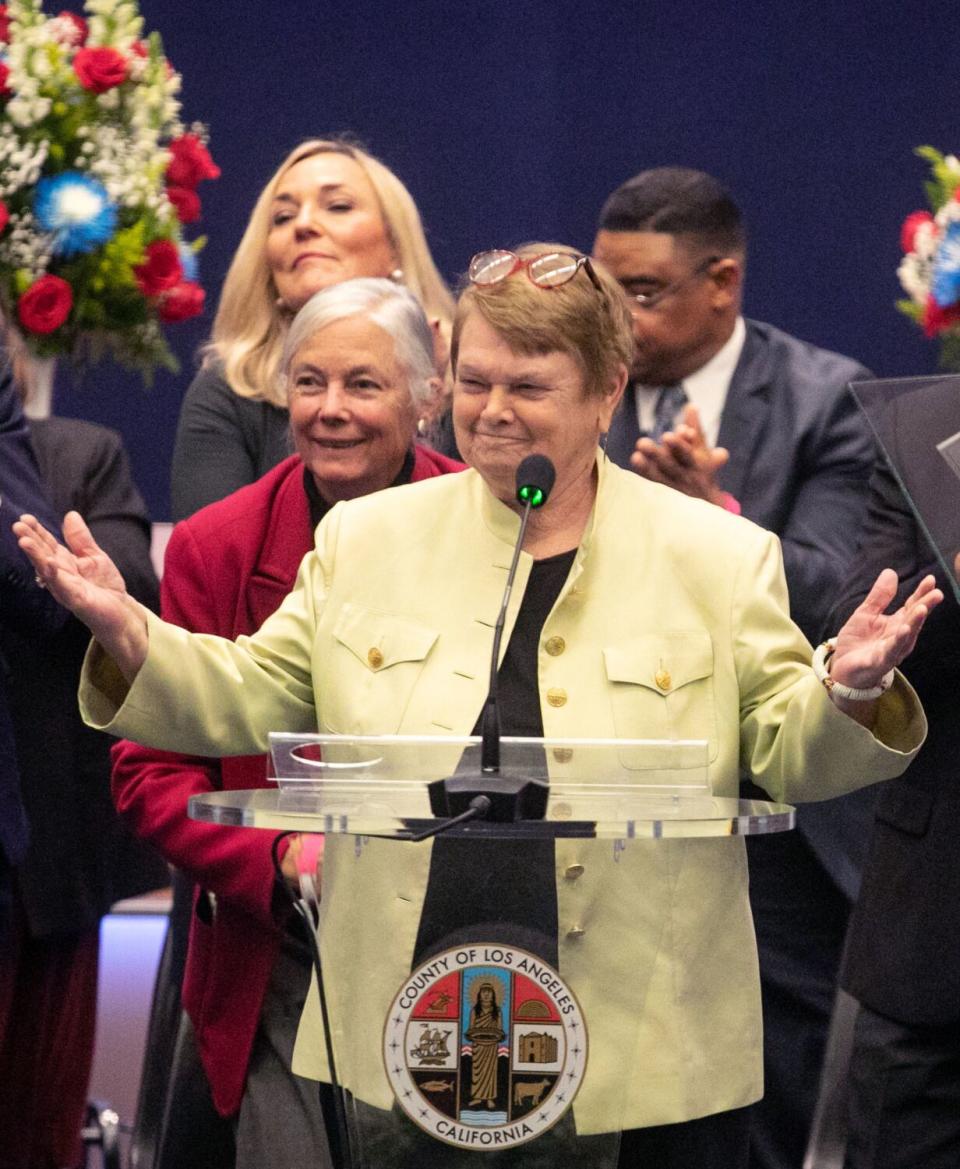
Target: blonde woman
<point>331,212</point>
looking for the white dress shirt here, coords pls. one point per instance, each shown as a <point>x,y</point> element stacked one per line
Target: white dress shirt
<point>706,388</point>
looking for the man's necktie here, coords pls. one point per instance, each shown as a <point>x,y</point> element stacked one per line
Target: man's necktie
<point>670,401</point>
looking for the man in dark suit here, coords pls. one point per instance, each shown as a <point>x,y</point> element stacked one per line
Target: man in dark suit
<point>79,858</point>
<point>745,416</point>
<point>902,961</point>
<point>23,606</point>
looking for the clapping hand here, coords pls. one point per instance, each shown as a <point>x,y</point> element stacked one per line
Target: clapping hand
<point>683,459</point>
<point>83,578</point>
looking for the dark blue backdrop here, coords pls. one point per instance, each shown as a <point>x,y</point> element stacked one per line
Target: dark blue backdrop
<point>511,121</point>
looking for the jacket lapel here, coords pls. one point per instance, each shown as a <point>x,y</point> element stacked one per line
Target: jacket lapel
<point>289,537</point>
<point>744,417</point>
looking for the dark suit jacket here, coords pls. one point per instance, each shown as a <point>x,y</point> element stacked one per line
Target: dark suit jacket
<point>227,569</point>
<point>81,858</point>
<point>800,460</point>
<point>23,606</point>
<point>903,955</point>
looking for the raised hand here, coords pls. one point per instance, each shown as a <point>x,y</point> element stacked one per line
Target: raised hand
<point>872,642</point>
<point>83,578</point>
<point>683,460</point>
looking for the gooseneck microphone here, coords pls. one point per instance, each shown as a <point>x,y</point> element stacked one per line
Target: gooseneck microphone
<point>535,478</point>
<point>487,794</point>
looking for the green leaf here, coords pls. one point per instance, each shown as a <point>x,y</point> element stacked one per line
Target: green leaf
<point>945,180</point>
<point>950,349</point>
<point>911,309</point>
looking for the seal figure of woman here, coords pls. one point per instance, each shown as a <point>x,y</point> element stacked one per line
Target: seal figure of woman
<point>486,1034</point>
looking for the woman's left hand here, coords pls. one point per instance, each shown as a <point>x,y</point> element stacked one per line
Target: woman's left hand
<point>304,857</point>
<point>873,642</point>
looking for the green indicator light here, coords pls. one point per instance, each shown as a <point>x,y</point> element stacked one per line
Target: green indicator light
<point>531,495</point>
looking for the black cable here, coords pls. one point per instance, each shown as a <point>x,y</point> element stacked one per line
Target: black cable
<point>311,921</point>
<point>479,807</point>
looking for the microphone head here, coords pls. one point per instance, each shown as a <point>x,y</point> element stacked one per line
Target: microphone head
<point>535,477</point>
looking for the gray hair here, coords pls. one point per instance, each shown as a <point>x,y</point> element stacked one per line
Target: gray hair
<point>391,306</point>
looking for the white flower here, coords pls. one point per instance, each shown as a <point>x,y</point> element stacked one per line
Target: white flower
<point>949,213</point>
<point>914,274</point>
<point>925,238</point>
<point>26,112</point>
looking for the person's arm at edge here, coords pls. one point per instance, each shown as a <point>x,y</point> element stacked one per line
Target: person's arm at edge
<point>22,603</point>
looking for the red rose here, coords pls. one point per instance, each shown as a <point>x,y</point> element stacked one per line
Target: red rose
<point>190,163</point>
<point>160,269</point>
<point>71,29</point>
<point>45,305</point>
<point>4,216</point>
<point>908,233</point>
<point>4,24</point>
<point>183,301</point>
<point>936,319</point>
<point>5,89</point>
<point>100,69</point>
<point>186,203</point>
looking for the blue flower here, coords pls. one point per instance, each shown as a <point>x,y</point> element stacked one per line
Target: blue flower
<point>945,283</point>
<point>77,212</point>
<point>188,262</point>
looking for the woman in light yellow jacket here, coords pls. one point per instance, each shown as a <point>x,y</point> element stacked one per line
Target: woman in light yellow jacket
<point>637,612</point>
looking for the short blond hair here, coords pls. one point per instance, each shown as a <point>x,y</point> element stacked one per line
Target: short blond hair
<point>592,325</point>
<point>249,328</point>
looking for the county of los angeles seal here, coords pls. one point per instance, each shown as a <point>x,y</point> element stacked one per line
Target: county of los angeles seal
<point>485,1046</point>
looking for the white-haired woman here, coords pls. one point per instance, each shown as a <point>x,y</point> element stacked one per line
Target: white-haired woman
<point>331,212</point>
<point>356,369</point>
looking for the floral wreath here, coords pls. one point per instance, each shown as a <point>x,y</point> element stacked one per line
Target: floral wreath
<point>930,269</point>
<point>98,175</point>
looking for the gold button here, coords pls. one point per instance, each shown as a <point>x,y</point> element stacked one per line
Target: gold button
<point>555,646</point>
<point>576,933</point>
<point>663,679</point>
<point>563,754</point>
<point>574,872</point>
<point>374,658</point>
<point>557,697</point>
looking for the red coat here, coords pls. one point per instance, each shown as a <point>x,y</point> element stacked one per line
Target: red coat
<point>227,569</point>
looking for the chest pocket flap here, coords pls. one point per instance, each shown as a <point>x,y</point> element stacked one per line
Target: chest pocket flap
<point>663,662</point>
<point>381,640</point>
<point>661,687</point>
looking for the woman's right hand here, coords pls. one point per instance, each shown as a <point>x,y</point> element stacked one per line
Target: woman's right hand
<point>83,578</point>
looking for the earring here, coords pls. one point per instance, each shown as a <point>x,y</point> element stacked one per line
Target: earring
<point>397,276</point>
<point>421,426</point>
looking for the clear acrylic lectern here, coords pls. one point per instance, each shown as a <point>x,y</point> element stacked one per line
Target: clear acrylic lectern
<point>465,1027</point>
